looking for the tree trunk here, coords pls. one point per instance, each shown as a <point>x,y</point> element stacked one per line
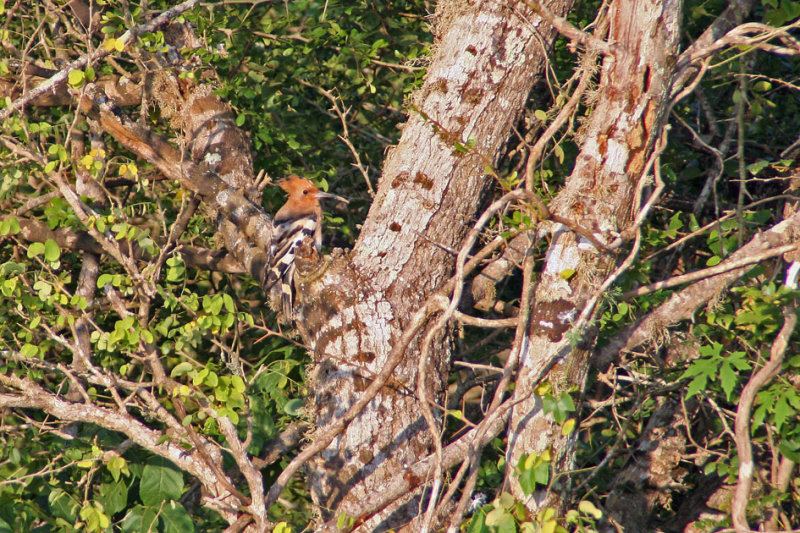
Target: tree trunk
<point>487,60</point>
<point>599,196</point>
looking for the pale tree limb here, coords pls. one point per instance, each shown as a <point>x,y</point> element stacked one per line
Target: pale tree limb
<point>704,273</point>
<point>771,368</point>
<point>126,91</point>
<point>30,395</point>
<point>683,303</point>
<point>521,338</point>
<point>751,34</point>
<point>588,70</point>
<point>780,482</point>
<point>255,482</point>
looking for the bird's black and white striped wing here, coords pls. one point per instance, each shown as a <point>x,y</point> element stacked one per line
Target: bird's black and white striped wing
<point>288,236</point>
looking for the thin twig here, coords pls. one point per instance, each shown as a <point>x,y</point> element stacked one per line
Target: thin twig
<point>725,266</point>
<point>441,322</point>
<point>87,59</point>
<point>571,32</point>
<point>341,112</point>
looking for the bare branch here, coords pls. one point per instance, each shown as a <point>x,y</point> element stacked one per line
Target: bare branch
<point>725,266</point>
<point>32,230</point>
<point>338,108</point>
<point>100,52</point>
<point>683,303</point>
<point>751,34</point>
<point>571,32</point>
<point>770,369</point>
<point>31,396</point>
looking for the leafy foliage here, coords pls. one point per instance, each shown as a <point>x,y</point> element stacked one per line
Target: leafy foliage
<point>278,65</point>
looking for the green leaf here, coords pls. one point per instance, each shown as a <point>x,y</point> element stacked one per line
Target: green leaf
<point>283,527</point>
<point>35,249</point>
<point>113,496</point>
<point>527,481</point>
<point>230,413</point>
<point>118,465</point>
<point>502,520</point>
<point>62,504</point>
<point>141,519</point>
<point>75,78</point>
<point>588,508</point>
<point>559,153</point>
<point>181,368</point>
<point>237,383</point>
<point>478,523</point>
<point>29,350</point>
<point>175,519</point>
<point>505,501</point>
<point>293,407</point>
<point>727,378</point>
<point>496,516</point>
<point>790,450</point>
<point>566,274</point>
<point>229,305</point>
<point>94,517</point>
<point>9,225</point>
<point>782,411</point>
<point>542,473</point>
<point>758,166</point>
<point>160,482</point>
<point>342,521</point>
<point>565,402</point>
<point>211,379</point>
<point>696,385</point>
<point>52,252</point>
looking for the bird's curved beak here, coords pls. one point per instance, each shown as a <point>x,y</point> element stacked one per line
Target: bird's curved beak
<point>328,196</point>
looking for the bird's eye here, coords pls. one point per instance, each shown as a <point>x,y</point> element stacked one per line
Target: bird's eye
<point>306,191</point>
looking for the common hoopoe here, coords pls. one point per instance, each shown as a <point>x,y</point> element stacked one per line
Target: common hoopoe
<point>298,218</point>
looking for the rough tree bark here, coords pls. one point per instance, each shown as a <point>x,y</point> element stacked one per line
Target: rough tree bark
<point>486,61</point>
<point>633,94</point>
<point>355,308</point>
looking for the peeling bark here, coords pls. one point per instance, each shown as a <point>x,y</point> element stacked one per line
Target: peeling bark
<point>633,90</point>
<point>486,62</point>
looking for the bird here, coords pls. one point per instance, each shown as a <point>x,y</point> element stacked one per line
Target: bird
<point>298,218</point>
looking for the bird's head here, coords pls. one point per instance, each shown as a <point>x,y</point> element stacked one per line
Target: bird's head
<point>303,191</point>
